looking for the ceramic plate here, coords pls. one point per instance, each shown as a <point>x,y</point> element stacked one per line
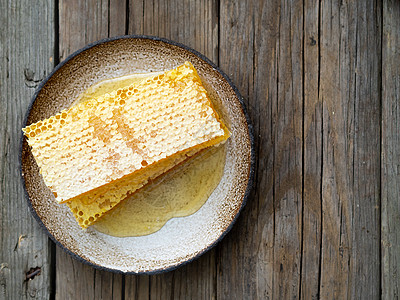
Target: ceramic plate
<point>180,240</point>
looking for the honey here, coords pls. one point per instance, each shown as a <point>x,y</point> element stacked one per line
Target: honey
<point>178,193</point>
<point>108,85</point>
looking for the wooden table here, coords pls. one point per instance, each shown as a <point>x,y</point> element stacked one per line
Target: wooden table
<point>321,81</point>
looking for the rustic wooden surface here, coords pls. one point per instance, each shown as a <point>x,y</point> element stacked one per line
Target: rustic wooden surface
<point>25,58</point>
<point>321,80</point>
<point>390,154</point>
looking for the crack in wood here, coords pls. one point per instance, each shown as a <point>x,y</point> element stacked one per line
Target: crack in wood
<point>32,273</point>
<point>20,239</point>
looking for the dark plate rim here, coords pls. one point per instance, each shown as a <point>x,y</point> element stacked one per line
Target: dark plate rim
<point>250,181</point>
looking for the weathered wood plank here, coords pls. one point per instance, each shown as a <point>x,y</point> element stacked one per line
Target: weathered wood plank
<point>135,17</point>
<point>117,18</point>
<point>288,113</point>
<point>73,279</point>
<point>236,260</point>
<point>193,281</point>
<point>196,280</point>
<point>137,287</point>
<point>77,281</point>
<point>82,22</point>
<point>312,143</point>
<point>350,93</point>
<point>108,285</point>
<point>265,261</point>
<point>337,140</point>
<point>26,57</point>
<point>266,48</point>
<point>193,23</point>
<point>391,150</point>
<point>366,165</point>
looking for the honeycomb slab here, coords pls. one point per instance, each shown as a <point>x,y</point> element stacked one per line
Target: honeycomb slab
<point>100,151</point>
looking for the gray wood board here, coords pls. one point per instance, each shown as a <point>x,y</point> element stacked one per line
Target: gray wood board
<point>350,94</point>
<point>26,53</point>
<point>391,150</point>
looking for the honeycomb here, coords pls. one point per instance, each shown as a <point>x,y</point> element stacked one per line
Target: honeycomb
<point>98,152</point>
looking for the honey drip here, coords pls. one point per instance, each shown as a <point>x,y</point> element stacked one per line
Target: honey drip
<point>178,193</point>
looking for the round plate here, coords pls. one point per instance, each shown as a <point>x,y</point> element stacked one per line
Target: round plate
<point>181,239</point>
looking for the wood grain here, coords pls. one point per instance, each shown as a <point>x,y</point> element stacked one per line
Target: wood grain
<point>341,146</point>
<point>312,145</point>
<point>350,91</point>
<point>193,23</point>
<point>26,57</point>
<point>365,279</point>
<point>80,23</point>
<point>117,24</point>
<point>194,281</point>
<point>391,151</point>
<point>266,261</point>
<point>288,111</point>
<point>321,82</point>
<point>336,94</point>
<point>237,257</point>
<point>265,65</point>
<point>78,281</point>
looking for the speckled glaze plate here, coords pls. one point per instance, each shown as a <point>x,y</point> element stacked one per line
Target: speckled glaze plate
<point>180,240</point>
